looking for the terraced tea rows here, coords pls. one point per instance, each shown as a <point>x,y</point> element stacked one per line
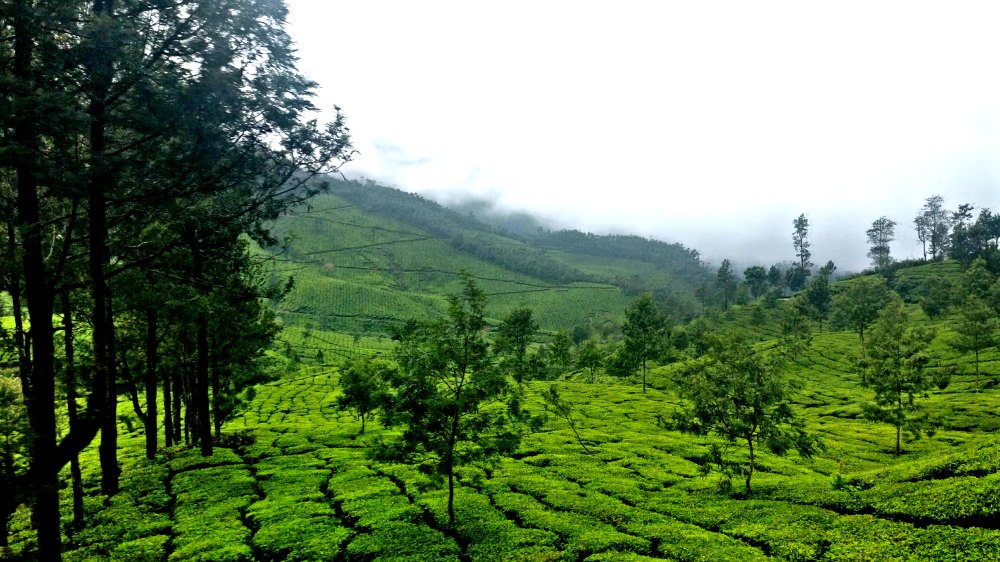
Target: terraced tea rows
<point>303,488</point>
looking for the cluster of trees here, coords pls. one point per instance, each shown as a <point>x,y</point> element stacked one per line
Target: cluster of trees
<point>942,234</point>
<point>142,144</point>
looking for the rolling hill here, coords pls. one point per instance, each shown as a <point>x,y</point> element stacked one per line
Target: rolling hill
<point>366,257</point>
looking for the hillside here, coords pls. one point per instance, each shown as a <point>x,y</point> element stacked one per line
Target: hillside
<point>297,482</point>
<point>366,257</point>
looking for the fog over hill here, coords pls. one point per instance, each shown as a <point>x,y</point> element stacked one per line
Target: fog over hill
<point>709,124</point>
<point>760,237</point>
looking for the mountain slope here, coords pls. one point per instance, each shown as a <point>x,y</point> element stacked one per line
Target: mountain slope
<point>366,257</point>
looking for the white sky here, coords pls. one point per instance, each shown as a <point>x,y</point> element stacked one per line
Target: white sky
<point>713,124</point>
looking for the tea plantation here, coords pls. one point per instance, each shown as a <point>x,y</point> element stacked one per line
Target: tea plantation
<point>297,483</point>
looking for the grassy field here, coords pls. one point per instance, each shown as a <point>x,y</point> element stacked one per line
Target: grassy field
<point>297,483</point>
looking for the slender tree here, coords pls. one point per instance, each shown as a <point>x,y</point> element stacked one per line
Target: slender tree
<point>893,367</point>
<point>976,329</point>
<point>726,283</point>
<point>555,403</point>
<point>643,330</point>
<point>800,242</point>
<point>453,403</point>
<point>362,384</point>
<point>934,221</point>
<point>590,357</point>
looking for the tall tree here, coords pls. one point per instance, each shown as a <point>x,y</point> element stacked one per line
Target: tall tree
<point>727,283</point>
<point>141,108</point>
<point>800,242</point>
<point>934,220</point>
<point>643,330</point>
<point>742,395</point>
<point>451,400</point>
<point>880,235</point>
<point>976,329</point>
<point>893,367</point>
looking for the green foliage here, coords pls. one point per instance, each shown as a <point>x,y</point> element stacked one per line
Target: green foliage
<point>644,332</point>
<point>893,366</point>
<point>756,279</point>
<point>858,305</point>
<point>880,235</point>
<point>741,395</point>
<point>513,336</point>
<point>976,329</point>
<point>590,357</point>
<point>363,384</point>
<point>819,299</point>
<point>449,397</point>
<point>559,351</point>
<point>936,296</point>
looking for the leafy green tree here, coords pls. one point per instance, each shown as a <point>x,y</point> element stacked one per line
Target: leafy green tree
<point>454,405</point>
<point>893,367</point>
<point>977,280</point>
<point>554,402</point>
<point>936,296</point>
<point>976,329</point>
<point>13,445</point>
<point>857,306</point>
<point>363,386</point>
<point>880,235</point>
<point>756,279</point>
<point>643,330</point>
<point>590,357</point>
<point>513,337</point>
<point>741,395</point>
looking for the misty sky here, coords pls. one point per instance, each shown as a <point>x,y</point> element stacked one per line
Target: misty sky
<point>706,123</point>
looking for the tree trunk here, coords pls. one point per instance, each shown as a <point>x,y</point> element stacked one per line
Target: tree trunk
<point>751,467</point>
<point>150,419</point>
<point>451,495</point>
<point>899,421</point>
<point>39,393</point>
<point>168,419</point>
<point>201,401</point>
<point>178,384</point>
<point>108,449</point>
<point>977,369</point>
<point>72,408</point>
